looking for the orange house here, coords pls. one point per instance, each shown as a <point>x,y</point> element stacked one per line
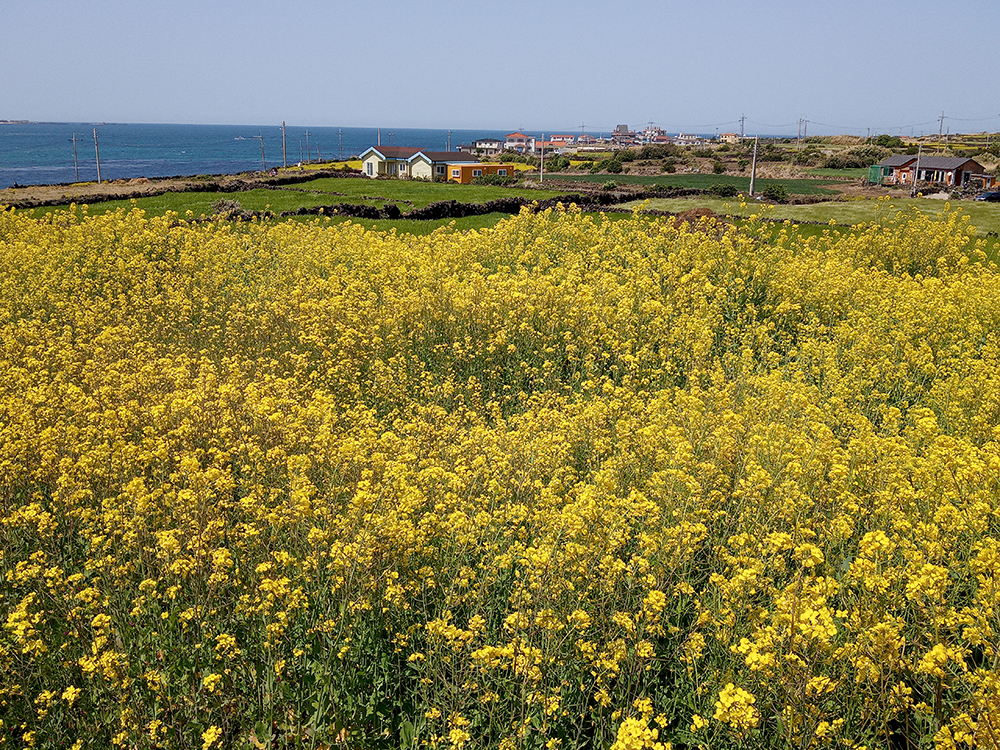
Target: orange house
<point>466,173</point>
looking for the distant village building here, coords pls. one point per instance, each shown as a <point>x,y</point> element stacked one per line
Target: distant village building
<point>519,142</point>
<point>653,134</point>
<point>488,146</point>
<point>622,136</point>
<point>688,139</point>
<point>729,137</point>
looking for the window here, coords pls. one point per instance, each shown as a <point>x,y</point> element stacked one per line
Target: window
<point>368,169</point>
<point>477,173</point>
<point>456,172</point>
<point>502,172</point>
<point>440,169</point>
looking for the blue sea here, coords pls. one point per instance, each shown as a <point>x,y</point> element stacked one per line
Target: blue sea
<point>42,153</point>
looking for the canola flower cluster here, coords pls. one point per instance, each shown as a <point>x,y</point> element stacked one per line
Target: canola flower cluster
<point>566,482</point>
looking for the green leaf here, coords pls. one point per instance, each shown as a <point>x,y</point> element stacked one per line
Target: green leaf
<point>406,734</point>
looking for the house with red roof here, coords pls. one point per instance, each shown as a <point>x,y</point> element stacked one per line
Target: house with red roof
<point>519,142</point>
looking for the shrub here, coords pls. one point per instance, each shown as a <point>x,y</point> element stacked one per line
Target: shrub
<point>889,141</point>
<point>659,151</point>
<point>776,193</point>
<point>609,185</point>
<point>557,163</point>
<point>856,158</point>
<point>770,152</point>
<point>718,167</point>
<point>496,179</point>
<point>724,190</point>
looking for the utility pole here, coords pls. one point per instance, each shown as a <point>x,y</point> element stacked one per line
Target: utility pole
<point>284,158</point>
<point>307,146</point>
<point>742,120</point>
<point>319,156</point>
<point>76,164</point>
<point>941,127</point>
<point>390,139</point>
<point>300,153</point>
<point>753,168</point>
<point>541,163</point>
<point>916,171</point>
<point>97,152</point>
<point>380,137</point>
<point>263,164</point>
<point>340,135</point>
<point>448,142</point>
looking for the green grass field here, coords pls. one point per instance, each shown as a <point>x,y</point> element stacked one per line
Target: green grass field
<point>704,181</point>
<point>841,174</point>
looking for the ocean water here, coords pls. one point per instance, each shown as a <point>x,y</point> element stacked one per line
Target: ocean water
<point>42,153</point>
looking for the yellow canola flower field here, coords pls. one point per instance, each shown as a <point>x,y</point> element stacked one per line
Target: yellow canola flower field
<point>567,482</point>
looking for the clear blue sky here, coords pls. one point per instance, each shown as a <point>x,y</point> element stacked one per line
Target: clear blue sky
<point>691,65</point>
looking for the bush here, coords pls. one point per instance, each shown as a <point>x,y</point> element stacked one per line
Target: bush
<point>889,141</point>
<point>609,185</point>
<point>776,193</point>
<point>557,163</point>
<point>496,179</point>
<point>659,151</point>
<point>718,167</point>
<point>724,190</point>
<point>770,152</point>
<point>858,157</point>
